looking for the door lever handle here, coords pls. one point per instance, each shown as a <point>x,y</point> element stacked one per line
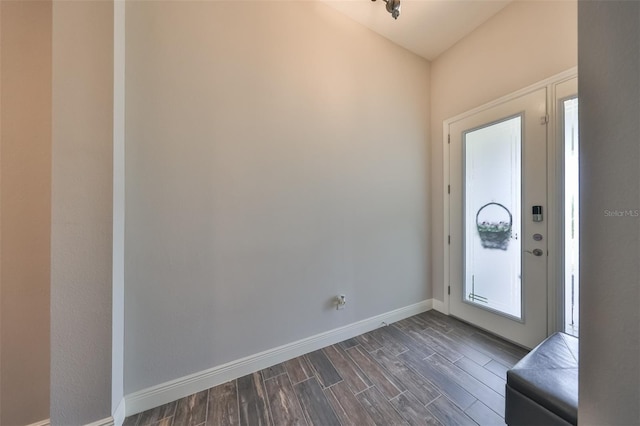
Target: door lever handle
<point>535,252</point>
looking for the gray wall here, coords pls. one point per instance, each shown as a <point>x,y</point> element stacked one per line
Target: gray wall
<point>25,205</point>
<point>609,87</point>
<point>313,197</point>
<point>81,212</point>
<point>276,155</point>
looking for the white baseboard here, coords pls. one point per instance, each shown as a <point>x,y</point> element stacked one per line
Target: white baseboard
<point>46,422</point>
<point>119,413</point>
<point>439,306</point>
<point>104,422</point>
<point>187,385</point>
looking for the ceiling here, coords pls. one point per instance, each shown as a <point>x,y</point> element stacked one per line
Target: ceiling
<point>425,27</point>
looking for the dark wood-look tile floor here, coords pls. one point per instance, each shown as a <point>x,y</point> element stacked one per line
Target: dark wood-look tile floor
<point>429,369</point>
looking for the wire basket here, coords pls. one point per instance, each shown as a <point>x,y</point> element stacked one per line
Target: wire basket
<point>494,234</point>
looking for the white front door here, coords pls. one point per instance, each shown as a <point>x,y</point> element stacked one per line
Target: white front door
<point>498,225</point>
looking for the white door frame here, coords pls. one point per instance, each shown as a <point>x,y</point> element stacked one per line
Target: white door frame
<point>554,183</point>
<point>563,89</point>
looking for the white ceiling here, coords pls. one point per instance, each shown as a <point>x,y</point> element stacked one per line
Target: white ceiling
<point>425,27</point>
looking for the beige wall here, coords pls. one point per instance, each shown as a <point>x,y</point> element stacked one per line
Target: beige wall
<point>25,199</point>
<point>610,180</point>
<point>526,42</point>
<point>276,156</point>
<point>81,234</point>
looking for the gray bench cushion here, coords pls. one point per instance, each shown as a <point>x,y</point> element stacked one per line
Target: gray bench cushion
<point>548,375</point>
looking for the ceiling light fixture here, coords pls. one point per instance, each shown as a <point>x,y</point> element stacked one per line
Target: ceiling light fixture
<point>393,7</point>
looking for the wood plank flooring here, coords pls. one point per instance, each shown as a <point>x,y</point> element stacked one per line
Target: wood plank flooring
<point>429,369</point>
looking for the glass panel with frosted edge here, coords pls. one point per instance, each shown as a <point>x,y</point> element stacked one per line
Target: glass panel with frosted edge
<point>492,180</point>
<point>571,216</point>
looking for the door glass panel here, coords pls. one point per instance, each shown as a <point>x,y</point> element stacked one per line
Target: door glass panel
<point>571,216</point>
<point>492,185</point>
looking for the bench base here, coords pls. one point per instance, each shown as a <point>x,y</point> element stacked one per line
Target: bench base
<point>522,411</point>
<point>542,388</point>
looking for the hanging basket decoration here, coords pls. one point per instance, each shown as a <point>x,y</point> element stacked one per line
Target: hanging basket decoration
<point>494,234</point>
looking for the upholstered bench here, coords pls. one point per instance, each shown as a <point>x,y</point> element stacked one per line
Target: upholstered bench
<point>542,388</point>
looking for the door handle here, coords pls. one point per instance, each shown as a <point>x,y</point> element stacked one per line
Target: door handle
<point>535,252</point>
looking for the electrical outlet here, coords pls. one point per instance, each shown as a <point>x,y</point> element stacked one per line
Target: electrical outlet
<point>341,301</point>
